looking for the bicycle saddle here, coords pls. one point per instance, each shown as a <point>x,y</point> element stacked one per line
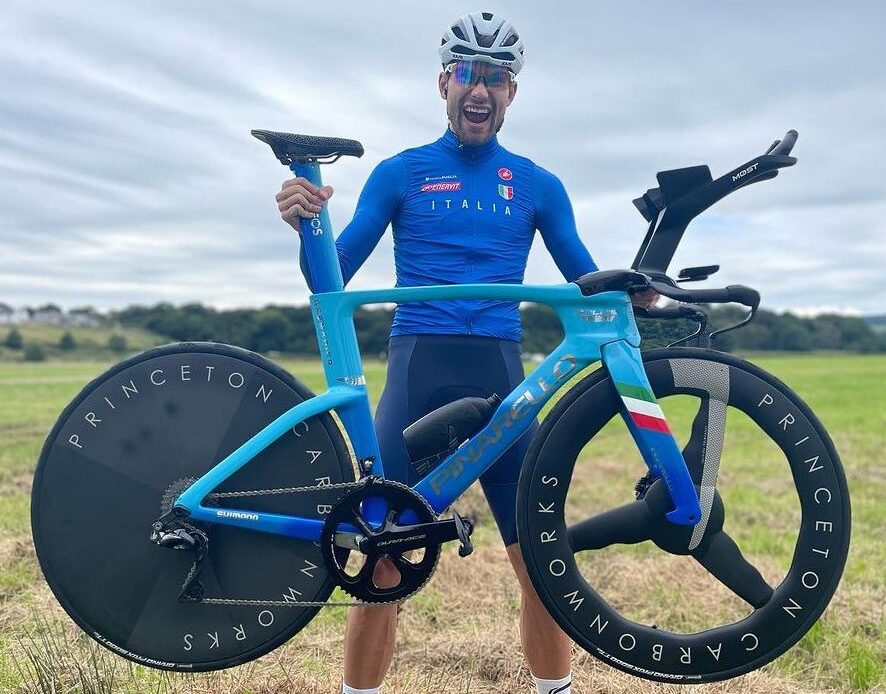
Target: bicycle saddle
<point>289,148</point>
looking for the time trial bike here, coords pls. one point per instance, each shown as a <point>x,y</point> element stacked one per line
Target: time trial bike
<point>196,505</point>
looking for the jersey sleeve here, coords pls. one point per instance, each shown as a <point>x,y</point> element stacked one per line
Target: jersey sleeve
<point>555,221</point>
<point>376,208</point>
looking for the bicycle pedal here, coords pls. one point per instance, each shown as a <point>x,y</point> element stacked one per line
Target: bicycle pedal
<point>464,527</point>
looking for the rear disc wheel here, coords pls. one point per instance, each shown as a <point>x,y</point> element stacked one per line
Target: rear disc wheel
<point>128,444</point>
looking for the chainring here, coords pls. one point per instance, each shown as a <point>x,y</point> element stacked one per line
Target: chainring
<point>348,513</point>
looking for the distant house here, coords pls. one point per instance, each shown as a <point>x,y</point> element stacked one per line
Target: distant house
<point>48,315</point>
<point>83,318</point>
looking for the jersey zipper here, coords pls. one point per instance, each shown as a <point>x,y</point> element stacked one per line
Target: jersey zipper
<point>469,319</point>
<point>473,251</point>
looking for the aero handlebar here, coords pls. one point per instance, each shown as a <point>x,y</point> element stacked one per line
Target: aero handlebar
<point>734,293</point>
<point>783,146</point>
<point>683,194</point>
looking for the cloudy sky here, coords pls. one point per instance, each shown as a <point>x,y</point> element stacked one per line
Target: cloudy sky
<point>129,175</point>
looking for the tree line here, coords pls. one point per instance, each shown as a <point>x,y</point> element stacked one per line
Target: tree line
<point>290,329</point>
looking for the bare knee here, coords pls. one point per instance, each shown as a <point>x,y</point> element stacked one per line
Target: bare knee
<point>520,569</point>
<point>385,574</point>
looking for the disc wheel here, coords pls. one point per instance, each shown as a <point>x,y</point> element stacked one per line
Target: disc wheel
<point>560,536</point>
<point>124,448</point>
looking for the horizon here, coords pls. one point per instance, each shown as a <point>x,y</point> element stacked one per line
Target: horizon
<point>802,313</point>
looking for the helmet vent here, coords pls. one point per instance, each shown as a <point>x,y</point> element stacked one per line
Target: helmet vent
<point>487,16</point>
<point>486,40</point>
<point>457,30</point>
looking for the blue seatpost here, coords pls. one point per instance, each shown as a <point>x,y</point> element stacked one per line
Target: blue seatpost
<point>316,235</point>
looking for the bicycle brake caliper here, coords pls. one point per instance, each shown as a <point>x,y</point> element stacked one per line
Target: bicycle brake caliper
<point>650,429</point>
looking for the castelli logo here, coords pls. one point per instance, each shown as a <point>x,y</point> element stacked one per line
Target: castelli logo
<point>505,174</point>
<point>452,187</point>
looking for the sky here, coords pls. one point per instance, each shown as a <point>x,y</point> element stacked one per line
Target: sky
<point>128,174</point>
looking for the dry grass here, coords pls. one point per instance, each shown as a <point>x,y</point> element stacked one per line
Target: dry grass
<point>460,634</point>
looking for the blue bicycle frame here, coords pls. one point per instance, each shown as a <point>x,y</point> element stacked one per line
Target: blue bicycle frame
<point>599,327</point>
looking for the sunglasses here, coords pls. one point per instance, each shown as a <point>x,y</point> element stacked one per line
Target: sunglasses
<point>468,72</point>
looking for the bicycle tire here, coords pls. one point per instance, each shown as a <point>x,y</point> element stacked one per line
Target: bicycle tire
<point>725,651</point>
<point>160,418</point>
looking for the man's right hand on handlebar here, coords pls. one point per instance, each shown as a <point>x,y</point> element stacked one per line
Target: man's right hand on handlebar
<point>298,198</point>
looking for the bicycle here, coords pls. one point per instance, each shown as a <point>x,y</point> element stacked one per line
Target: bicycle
<point>195,505</point>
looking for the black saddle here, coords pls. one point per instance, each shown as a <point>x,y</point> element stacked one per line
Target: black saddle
<point>289,148</point>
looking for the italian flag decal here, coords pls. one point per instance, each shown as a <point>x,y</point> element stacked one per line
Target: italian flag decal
<point>507,192</point>
<point>645,412</point>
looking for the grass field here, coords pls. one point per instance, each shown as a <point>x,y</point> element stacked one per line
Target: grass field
<point>460,633</point>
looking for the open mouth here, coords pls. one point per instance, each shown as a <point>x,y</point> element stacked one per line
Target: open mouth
<point>477,114</point>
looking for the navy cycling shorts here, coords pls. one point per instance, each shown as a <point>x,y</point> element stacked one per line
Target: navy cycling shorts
<point>427,371</point>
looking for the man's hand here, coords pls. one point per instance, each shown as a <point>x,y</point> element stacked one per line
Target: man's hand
<point>646,298</point>
<point>300,198</point>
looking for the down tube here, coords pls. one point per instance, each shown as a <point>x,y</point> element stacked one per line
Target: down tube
<point>453,476</point>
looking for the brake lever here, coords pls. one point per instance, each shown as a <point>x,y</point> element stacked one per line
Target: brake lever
<point>747,319</point>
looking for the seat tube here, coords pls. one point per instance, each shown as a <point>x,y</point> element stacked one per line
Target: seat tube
<point>316,235</point>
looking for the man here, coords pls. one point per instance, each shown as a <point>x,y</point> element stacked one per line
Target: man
<point>463,209</point>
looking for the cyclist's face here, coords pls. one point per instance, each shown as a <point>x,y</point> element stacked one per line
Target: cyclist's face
<point>476,112</point>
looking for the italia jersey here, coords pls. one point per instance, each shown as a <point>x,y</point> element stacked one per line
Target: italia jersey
<point>461,215</point>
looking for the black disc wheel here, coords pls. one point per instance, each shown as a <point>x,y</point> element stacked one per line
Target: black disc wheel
<point>119,455</point>
<point>673,603</point>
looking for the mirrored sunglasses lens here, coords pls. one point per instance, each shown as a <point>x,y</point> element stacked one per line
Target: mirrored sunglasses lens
<point>496,76</point>
<point>463,72</point>
<point>467,72</point>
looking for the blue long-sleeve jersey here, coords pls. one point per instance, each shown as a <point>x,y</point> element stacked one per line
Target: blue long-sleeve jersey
<point>460,215</point>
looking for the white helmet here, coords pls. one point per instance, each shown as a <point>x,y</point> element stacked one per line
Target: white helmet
<point>483,36</point>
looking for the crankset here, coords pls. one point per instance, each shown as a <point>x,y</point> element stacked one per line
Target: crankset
<point>409,537</point>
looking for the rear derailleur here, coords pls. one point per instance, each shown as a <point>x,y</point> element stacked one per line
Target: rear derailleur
<point>172,531</point>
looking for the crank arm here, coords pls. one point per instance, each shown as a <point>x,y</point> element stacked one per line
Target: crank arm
<point>408,537</point>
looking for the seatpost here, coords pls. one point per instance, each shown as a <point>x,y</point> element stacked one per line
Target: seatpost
<point>316,235</point>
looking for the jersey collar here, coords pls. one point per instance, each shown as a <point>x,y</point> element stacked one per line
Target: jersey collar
<point>469,152</point>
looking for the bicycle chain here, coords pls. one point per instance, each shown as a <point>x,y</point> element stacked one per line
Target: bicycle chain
<point>247,602</point>
<point>285,490</point>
